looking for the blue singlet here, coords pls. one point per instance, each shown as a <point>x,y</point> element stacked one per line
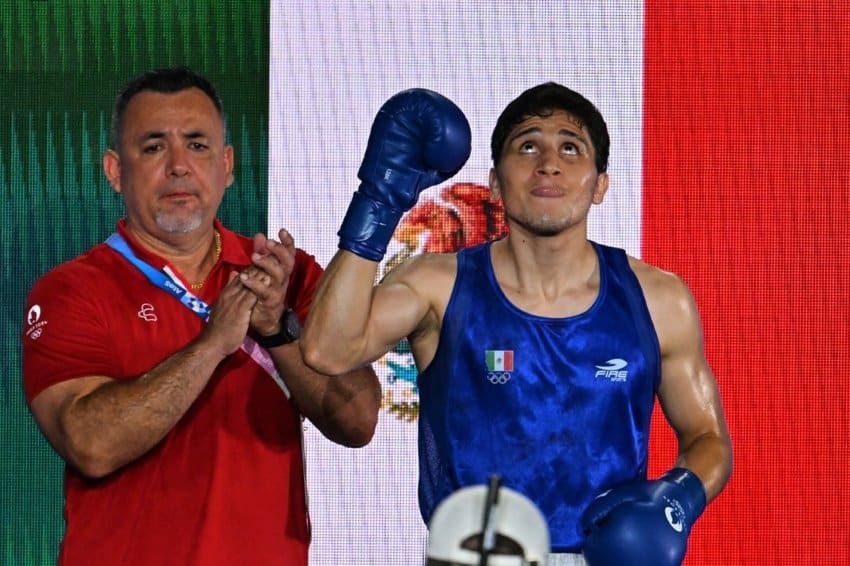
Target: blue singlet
<point>559,407</point>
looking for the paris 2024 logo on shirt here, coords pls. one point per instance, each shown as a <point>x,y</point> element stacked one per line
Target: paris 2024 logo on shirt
<point>464,215</point>
<point>35,322</point>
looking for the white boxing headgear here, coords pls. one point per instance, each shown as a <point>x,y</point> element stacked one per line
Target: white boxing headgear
<point>460,516</point>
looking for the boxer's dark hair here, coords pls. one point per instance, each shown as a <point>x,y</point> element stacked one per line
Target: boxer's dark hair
<point>544,100</point>
<point>169,80</point>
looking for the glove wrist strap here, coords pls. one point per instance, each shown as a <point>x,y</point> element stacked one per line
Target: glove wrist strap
<point>368,227</point>
<point>692,488</point>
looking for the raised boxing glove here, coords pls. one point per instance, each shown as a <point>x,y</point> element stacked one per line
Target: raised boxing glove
<point>645,523</point>
<point>419,138</point>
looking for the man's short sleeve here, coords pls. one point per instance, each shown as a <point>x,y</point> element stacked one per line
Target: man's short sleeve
<point>64,332</point>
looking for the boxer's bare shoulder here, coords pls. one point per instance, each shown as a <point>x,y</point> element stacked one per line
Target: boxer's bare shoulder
<point>671,305</point>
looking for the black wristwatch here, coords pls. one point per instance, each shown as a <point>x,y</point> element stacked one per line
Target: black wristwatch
<point>290,331</point>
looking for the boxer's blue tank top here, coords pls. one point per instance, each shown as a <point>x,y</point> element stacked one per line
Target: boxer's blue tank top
<point>559,407</point>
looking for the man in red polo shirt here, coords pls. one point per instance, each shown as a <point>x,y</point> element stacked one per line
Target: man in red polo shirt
<point>163,365</point>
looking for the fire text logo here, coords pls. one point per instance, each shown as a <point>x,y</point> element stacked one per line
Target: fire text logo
<point>613,370</point>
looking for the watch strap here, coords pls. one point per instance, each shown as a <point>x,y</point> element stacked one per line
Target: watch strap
<point>286,335</point>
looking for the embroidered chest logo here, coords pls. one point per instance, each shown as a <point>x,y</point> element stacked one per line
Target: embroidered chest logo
<point>500,364</point>
<point>146,313</point>
<point>613,370</point>
<point>35,326</point>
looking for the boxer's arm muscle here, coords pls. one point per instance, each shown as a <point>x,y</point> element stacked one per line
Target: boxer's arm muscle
<point>688,393</point>
<point>352,321</point>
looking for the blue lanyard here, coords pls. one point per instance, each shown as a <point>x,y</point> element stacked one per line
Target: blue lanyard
<point>165,282</point>
<point>174,287</point>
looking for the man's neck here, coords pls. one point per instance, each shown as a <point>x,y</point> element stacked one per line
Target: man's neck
<point>191,253</point>
<point>551,276</point>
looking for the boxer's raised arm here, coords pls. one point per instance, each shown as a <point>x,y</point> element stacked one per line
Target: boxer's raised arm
<point>419,138</point>
<point>351,323</point>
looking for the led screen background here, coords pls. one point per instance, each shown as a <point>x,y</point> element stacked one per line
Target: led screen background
<point>730,126</point>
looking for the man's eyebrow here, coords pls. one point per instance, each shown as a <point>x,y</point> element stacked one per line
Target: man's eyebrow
<point>195,134</point>
<point>523,132</point>
<point>152,135</point>
<point>536,130</point>
<point>159,134</point>
<point>575,135</point>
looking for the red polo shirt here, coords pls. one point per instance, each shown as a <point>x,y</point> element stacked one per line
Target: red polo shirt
<point>226,485</point>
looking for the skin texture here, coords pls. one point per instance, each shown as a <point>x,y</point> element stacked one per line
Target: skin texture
<point>547,180</point>
<point>172,169</point>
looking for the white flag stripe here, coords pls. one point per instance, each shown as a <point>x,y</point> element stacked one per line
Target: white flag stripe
<point>333,63</point>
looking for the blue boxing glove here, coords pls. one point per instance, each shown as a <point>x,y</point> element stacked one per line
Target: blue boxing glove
<point>645,523</point>
<point>419,138</point>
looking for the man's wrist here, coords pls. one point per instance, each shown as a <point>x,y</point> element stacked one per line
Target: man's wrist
<point>277,328</point>
<point>289,330</point>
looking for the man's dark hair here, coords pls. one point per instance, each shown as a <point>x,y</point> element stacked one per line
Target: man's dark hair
<point>544,100</point>
<point>169,80</point>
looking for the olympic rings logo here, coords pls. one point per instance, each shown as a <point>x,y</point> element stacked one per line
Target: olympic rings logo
<point>498,377</point>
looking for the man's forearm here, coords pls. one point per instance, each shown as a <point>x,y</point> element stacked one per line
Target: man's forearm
<point>119,421</point>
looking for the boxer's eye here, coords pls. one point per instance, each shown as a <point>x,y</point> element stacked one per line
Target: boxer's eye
<point>527,147</point>
<point>570,149</point>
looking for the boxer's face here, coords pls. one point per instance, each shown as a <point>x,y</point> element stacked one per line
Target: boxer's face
<point>173,165</point>
<point>547,176</point>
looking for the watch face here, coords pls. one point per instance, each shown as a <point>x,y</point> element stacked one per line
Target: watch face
<point>292,324</point>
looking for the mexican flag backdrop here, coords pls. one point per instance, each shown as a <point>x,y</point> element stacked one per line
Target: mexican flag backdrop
<point>730,126</point>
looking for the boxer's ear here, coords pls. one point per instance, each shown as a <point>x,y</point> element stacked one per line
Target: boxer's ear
<point>601,188</point>
<point>495,185</point>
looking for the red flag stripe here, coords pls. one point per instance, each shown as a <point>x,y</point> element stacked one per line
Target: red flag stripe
<point>746,183</point>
